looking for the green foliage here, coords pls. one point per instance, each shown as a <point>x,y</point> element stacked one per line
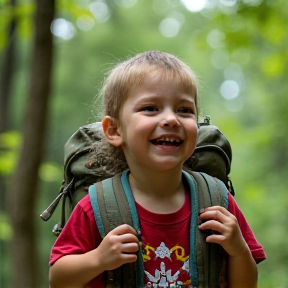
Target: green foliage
<point>51,172</point>
<point>9,148</point>
<point>5,228</point>
<point>22,13</point>
<point>10,143</point>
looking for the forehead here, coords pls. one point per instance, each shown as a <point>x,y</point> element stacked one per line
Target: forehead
<point>154,73</point>
<point>157,84</point>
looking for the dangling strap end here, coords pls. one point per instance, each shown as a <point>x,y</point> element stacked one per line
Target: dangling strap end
<point>46,214</point>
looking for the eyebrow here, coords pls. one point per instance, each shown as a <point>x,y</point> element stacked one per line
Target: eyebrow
<point>154,97</point>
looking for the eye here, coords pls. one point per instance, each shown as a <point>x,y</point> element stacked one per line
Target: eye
<point>185,110</point>
<point>149,108</point>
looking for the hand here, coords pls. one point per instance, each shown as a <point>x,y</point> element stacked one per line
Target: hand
<point>118,247</point>
<point>226,231</point>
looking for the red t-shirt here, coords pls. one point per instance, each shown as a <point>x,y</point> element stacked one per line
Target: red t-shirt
<point>164,241</point>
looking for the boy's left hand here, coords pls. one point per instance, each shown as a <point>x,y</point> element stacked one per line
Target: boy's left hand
<point>225,227</point>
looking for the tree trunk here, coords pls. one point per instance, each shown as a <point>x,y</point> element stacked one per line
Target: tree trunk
<point>7,71</point>
<point>6,78</point>
<point>24,185</point>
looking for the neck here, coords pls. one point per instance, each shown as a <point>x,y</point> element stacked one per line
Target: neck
<point>159,192</point>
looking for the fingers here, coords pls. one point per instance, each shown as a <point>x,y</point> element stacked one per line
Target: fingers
<point>215,217</point>
<point>224,227</point>
<point>217,213</point>
<point>124,229</point>
<point>125,234</point>
<point>214,210</point>
<point>124,238</point>
<point>118,247</point>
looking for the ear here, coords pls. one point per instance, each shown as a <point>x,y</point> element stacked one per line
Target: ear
<point>111,131</point>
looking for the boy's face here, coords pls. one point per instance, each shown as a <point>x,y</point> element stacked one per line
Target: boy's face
<point>157,124</point>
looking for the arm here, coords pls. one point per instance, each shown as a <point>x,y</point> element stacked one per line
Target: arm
<point>242,269</point>
<point>117,248</point>
<point>74,270</point>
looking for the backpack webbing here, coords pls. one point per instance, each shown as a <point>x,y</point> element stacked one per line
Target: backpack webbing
<point>209,256</point>
<point>113,209</point>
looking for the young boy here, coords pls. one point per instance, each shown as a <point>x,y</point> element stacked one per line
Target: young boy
<point>150,104</point>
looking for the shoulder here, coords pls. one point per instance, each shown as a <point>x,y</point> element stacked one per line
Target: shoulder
<point>84,212</point>
<point>256,248</point>
<point>84,206</point>
<point>81,223</point>
<point>234,209</point>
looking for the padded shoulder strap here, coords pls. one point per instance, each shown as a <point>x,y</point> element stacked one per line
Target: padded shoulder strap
<point>207,256</point>
<point>113,206</point>
<point>217,191</point>
<point>110,209</point>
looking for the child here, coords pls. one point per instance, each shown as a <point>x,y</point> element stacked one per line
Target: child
<point>150,104</point>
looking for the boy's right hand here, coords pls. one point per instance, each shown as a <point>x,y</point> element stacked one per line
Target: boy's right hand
<point>118,247</point>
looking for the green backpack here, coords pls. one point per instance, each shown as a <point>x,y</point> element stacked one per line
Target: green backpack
<point>87,161</point>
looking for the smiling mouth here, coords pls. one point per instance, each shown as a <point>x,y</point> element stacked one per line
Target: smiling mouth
<point>166,142</point>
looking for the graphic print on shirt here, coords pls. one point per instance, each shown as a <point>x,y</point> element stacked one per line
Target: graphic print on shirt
<point>168,266</point>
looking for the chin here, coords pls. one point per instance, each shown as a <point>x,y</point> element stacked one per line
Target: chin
<point>168,166</point>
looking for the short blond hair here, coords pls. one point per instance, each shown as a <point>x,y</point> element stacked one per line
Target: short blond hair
<point>132,72</point>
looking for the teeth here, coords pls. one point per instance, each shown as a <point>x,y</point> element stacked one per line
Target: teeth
<point>169,140</point>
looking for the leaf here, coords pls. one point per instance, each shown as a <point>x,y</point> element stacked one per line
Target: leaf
<point>51,172</point>
<point>273,65</point>
<point>5,228</point>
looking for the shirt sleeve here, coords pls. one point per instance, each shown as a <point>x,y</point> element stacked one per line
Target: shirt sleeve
<point>79,234</point>
<point>256,248</point>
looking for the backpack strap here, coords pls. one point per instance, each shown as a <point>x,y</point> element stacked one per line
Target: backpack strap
<point>111,210</point>
<point>207,264</point>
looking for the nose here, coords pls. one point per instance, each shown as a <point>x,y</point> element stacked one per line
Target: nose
<point>169,120</point>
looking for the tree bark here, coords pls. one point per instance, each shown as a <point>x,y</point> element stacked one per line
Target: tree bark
<point>7,71</point>
<point>6,77</point>
<point>24,184</point>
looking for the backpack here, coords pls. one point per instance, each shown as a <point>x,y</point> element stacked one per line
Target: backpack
<point>212,156</point>
<point>113,204</point>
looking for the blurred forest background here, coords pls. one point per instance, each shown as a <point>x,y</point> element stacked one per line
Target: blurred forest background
<point>53,57</point>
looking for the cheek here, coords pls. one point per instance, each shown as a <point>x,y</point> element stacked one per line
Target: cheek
<point>193,134</point>
<point>136,134</point>
<point>130,133</point>
<point>139,125</point>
